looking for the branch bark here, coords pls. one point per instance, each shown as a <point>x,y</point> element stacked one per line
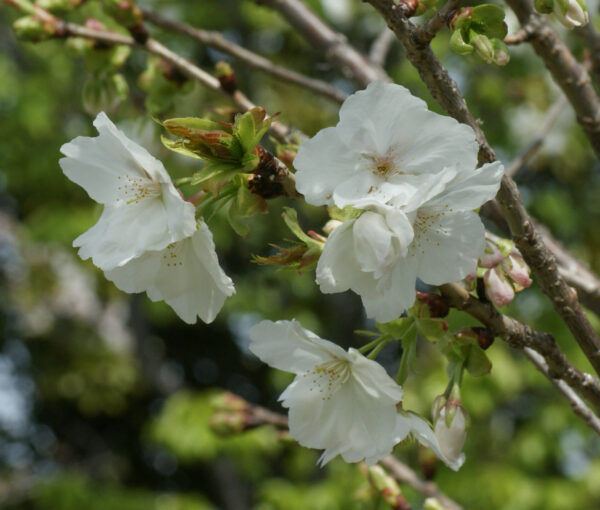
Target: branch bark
<point>332,44</point>
<point>530,244</point>
<point>570,76</point>
<point>522,336</point>
<point>217,41</point>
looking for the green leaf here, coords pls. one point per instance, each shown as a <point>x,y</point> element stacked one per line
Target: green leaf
<point>409,355</point>
<point>243,130</point>
<point>345,214</point>
<point>488,20</point>
<point>290,216</point>
<point>213,169</point>
<point>432,330</point>
<point>478,363</point>
<point>194,123</point>
<point>459,45</point>
<point>397,328</point>
<point>178,146</point>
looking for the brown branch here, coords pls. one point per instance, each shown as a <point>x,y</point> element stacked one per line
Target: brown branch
<point>570,75</point>
<point>520,336</point>
<point>579,407</point>
<point>403,474</point>
<point>216,40</point>
<point>538,140</point>
<point>381,46</point>
<point>425,34</point>
<point>332,44</point>
<point>591,38</point>
<point>530,244</point>
<point>524,34</point>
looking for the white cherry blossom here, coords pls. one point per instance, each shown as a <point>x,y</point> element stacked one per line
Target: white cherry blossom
<point>142,209</point>
<point>185,274</point>
<point>340,401</point>
<point>435,237</point>
<point>385,143</point>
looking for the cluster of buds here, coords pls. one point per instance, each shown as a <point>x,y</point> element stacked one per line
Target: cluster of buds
<point>450,422</point>
<point>385,487</point>
<point>233,415</point>
<point>105,88</point>
<point>503,270</point>
<point>128,15</point>
<point>570,13</point>
<point>37,24</point>
<point>481,30</point>
<point>161,81</point>
<point>300,257</point>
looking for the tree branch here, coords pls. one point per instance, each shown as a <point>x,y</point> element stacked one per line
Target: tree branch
<point>332,44</point>
<point>540,259</point>
<point>579,407</point>
<point>403,474</point>
<point>381,47</point>
<point>570,76</point>
<point>217,41</point>
<point>520,336</point>
<point>425,34</point>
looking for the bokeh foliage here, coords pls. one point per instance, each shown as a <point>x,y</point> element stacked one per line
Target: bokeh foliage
<point>105,399</point>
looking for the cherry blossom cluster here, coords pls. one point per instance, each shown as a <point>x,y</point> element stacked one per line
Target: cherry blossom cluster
<point>408,180</point>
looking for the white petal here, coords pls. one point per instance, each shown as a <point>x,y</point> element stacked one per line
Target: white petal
<point>338,269</point>
<point>448,249</point>
<point>286,345</point>
<point>372,241</point>
<point>127,231</point>
<point>423,432</point>
<point>321,164</point>
<point>186,275</point>
<point>470,189</point>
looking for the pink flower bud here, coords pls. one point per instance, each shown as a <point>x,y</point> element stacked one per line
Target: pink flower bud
<point>497,287</point>
<point>491,255</point>
<point>517,269</point>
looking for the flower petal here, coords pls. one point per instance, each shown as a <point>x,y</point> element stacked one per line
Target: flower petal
<point>286,345</point>
<point>449,246</point>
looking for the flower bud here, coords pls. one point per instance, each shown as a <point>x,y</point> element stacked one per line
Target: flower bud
<point>450,429</point>
<point>225,424</point>
<point>497,287</point>
<point>104,93</point>
<point>226,77</point>
<point>433,504</point>
<point>483,46</point>
<point>571,13</point>
<point>517,269</point>
<point>491,256</point>
<point>226,401</point>
<point>501,54</point>
<point>386,486</point>
<point>29,28</point>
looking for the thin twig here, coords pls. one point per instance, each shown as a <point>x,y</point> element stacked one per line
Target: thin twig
<point>217,41</point>
<point>381,46</point>
<point>524,34</point>
<point>579,407</point>
<point>520,335</point>
<point>538,140</point>
<point>539,258</point>
<point>332,44</point>
<point>570,75</point>
<point>403,474</point>
<point>425,34</point>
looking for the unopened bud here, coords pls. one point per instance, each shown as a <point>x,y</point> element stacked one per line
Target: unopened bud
<point>518,270</point>
<point>483,46</point>
<point>386,486</point>
<point>497,287</point>
<point>433,504</point>
<point>501,54</point>
<point>450,429</point>
<point>492,256</point>
<point>330,226</point>
<point>226,77</point>
<point>571,13</point>
<point>225,424</point>
<point>226,401</point>
<point>38,27</point>
<point>104,93</point>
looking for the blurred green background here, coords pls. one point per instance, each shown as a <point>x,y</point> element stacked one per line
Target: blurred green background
<point>104,397</point>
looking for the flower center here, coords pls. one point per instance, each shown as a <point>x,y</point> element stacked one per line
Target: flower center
<point>329,377</point>
<point>133,189</point>
<point>384,166</point>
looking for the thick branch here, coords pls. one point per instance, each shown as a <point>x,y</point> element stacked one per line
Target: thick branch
<point>579,407</point>
<point>332,44</point>
<point>520,336</point>
<point>570,76</point>
<point>217,41</point>
<point>540,259</point>
<point>425,34</point>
